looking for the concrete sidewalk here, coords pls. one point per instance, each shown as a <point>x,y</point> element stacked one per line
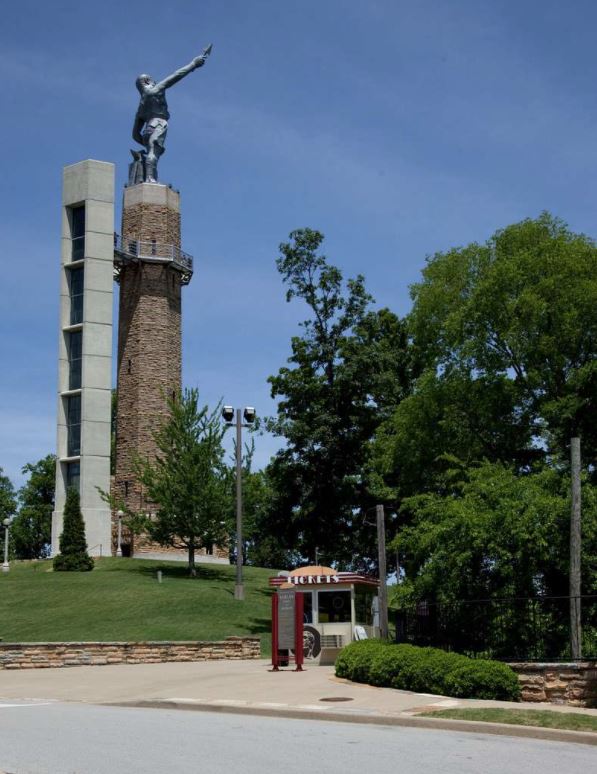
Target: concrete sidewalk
<point>249,686</point>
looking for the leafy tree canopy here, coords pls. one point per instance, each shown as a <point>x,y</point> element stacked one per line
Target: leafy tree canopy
<point>508,335</point>
<point>31,530</point>
<point>7,497</point>
<point>7,505</point>
<point>188,481</point>
<point>523,306</point>
<point>495,534</point>
<point>346,372</point>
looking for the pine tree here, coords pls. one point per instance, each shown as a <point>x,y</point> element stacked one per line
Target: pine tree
<point>73,555</point>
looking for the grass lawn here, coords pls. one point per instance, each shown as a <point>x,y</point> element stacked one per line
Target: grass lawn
<point>570,721</point>
<point>122,600</point>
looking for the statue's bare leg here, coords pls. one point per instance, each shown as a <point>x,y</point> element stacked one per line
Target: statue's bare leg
<point>155,136</point>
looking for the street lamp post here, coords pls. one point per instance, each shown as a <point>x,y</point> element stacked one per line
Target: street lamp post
<point>249,417</point>
<point>6,565</point>
<point>119,515</point>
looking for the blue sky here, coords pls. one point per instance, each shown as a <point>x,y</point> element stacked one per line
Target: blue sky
<point>396,128</point>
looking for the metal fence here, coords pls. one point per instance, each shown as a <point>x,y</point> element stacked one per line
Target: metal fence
<point>511,629</point>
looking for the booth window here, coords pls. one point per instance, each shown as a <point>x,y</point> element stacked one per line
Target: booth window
<point>363,604</point>
<point>307,606</point>
<point>334,606</point>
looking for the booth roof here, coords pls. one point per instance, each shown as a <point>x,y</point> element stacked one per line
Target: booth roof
<point>318,576</point>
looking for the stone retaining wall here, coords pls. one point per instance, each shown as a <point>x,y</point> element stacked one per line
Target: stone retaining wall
<point>574,684</point>
<point>37,655</point>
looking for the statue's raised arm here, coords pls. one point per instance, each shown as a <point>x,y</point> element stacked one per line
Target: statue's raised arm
<point>179,74</point>
<point>151,120</point>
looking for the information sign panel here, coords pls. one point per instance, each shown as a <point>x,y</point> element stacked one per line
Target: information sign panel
<point>286,618</point>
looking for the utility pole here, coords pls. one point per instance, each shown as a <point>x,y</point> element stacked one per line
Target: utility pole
<point>239,590</point>
<point>383,589</point>
<point>575,552</point>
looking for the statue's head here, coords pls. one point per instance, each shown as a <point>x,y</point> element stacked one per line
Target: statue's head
<point>142,81</point>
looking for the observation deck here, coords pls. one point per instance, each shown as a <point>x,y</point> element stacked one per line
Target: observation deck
<point>137,251</point>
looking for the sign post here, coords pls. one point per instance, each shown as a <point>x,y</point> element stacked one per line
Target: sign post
<point>287,628</point>
<point>298,632</point>
<point>275,648</point>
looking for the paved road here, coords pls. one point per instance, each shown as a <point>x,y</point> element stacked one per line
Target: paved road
<point>57,738</point>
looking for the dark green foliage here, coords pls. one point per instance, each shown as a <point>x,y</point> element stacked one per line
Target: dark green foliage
<point>494,534</point>
<point>482,679</point>
<point>426,670</point>
<point>7,507</point>
<point>7,498</point>
<point>354,660</point>
<point>507,332</point>
<point>31,529</point>
<point>347,371</point>
<point>188,481</point>
<point>395,667</point>
<point>73,555</point>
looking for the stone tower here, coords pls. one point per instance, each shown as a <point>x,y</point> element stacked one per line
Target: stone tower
<point>151,269</point>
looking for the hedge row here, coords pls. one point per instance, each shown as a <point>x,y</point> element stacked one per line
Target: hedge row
<point>426,670</point>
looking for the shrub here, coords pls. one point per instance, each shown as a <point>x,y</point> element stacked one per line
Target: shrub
<point>483,679</point>
<point>354,660</point>
<point>434,665</point>
<point>395,666</point>
<point>73,554</point>
<point>427,670</point>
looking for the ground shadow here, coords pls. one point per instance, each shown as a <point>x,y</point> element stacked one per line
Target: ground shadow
<point>259,625</point>
<point>204,572</point>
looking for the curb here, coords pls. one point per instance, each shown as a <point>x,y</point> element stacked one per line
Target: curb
<point>335,716</point>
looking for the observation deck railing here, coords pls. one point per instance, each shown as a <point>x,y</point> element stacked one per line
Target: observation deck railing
<point>134,250</point>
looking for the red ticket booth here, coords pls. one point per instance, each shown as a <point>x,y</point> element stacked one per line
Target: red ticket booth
<point>337,608</point>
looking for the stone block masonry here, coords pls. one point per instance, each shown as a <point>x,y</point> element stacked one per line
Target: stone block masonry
<point>40,655</point>
<point>573,684</point>
<point>149,337</point>
<point>149,347</point>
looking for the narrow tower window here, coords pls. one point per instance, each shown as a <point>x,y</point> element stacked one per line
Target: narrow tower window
<point>73,425</point>
<point>78,232</point>
<point>75,359</point>
<point>73,475</point>
<point>76,280</point>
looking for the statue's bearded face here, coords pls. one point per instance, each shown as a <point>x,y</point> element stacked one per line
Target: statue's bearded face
<point>143,81</point>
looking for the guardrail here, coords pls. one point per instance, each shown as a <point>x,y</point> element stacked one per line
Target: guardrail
<point>135,249</point>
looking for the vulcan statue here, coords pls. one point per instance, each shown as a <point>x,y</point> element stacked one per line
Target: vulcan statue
<point>151,121</point>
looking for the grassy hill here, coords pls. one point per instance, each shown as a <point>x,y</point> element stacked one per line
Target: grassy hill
<point>122,600</point>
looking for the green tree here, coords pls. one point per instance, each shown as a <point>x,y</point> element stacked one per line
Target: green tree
<point>7,497</point>
<point>31,529</point>
<point>495,534</point>
<point>73,556</point>
<point>447,418</point>
<point>524,307</point>
<point>507,332</point>
<point>347,371</point>
<point>7,506</point>
<point>189,480</point>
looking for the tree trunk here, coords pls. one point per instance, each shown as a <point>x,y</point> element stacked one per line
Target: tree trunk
<point>192,568</point>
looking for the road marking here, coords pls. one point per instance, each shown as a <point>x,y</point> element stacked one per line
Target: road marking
<point>33,704</point>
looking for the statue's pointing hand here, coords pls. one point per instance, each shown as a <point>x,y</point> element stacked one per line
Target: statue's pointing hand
<point>199,61</point>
